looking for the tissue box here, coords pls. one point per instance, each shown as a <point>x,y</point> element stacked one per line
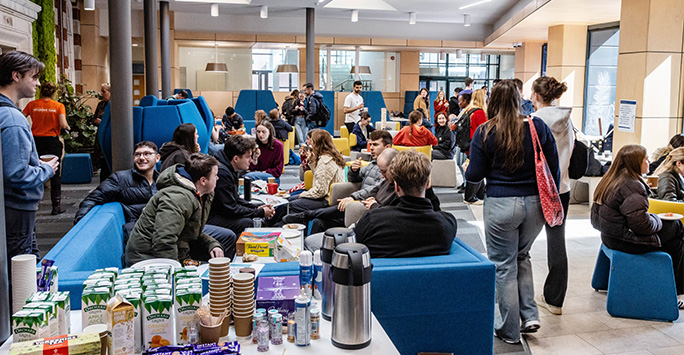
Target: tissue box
<point>257,243</point>
<point>278,292</point>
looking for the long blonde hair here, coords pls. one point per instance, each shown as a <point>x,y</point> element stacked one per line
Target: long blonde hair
<point>670,163</point>
<point>626,165</point>
<point>478,100</point>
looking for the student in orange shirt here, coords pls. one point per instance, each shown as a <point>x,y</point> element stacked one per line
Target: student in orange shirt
<point>48,118</point>
<point>415,135</point>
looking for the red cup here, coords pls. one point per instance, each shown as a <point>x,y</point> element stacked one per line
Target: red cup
<point>272,188</point>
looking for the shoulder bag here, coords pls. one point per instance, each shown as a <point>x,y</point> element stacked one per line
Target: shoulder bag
<point>548,193</point>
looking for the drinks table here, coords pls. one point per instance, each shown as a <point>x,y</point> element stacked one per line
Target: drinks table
<point>380,344</point>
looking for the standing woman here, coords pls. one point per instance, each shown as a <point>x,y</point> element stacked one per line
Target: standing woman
<point>475,112</point>
<point>184,143</point>
<point>48,118</point>
<point>422,102</point>
<point>502,152</point>
<point>545,91</point>
<point>300,113</point>
<point>620,213</point>
<point>441,104</point>
<point>269,164</point>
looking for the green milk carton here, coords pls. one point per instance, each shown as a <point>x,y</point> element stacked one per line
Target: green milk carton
<point>63,302</point>
<point>29,324</point>
<point>94,306</point>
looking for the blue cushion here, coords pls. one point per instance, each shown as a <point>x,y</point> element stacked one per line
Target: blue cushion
<point>246,103</point>
<point>175,91</point>
<point>205,111</point>
<point>329,101</point>
<point>159,122</point>
<point>77,169</point>
<point>375,102</point>
<point>265,101</point>
<point>149,100</point>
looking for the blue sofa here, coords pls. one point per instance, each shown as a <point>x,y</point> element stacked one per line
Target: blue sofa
<point>175,91</point>
<point>95,242</point>
<point>251,100</point>
<point>430,304</point>
<point>375,102</point>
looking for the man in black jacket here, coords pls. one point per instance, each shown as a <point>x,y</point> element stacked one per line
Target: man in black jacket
<point>408,227</point>
<point>228,209</point>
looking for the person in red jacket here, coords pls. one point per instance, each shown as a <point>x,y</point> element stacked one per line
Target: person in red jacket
<point>474,191</point>
<point>415,135</point>
<point>441,104</point>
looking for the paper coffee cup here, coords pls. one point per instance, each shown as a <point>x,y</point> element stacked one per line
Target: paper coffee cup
<point>47,157</point>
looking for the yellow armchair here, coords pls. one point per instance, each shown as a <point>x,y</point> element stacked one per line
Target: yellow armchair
<point>291,138</point>
<point>425,149</point>
<point>308,179</point>
<point>344,132</point>
<point>286,153</point>
<point>342,145</point>
<point>661,206</point>
<point>352,141</point>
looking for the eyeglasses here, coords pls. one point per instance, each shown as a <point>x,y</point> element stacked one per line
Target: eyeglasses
<point>145,154</point>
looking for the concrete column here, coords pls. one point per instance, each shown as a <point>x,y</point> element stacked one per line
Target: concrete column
<point>310,45</point>
<point>566,61</point>
<point>122,84</point>
<point>650,71</point>
<point>151,43</point>
<point>528,59</point>
<point>165,45</point>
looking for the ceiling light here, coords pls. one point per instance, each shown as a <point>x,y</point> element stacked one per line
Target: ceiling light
<point>474,4</point>
<point>466,20</point>
<point>216,67</point>
<point>264,11</point>
<point>412,18</point>
<point>287,68</point>
<point>355,16</point>
<point>214,10</point>
<point>363,69</point>
<point>89,5</point>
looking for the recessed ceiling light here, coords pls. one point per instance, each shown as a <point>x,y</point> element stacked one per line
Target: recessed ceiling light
<point>474,4</point>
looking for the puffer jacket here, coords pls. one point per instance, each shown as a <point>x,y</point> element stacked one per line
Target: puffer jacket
<point>325,173</point>
<point>369,176</point>
<point>172,221</point>
<point>623,217</point>
<point>172,153</point>
<point>670,187</point>
<point>127,187</point>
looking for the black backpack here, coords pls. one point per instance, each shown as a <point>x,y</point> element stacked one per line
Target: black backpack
<point>579,160</point>
<point>462,129</point>
<point>322,116</point>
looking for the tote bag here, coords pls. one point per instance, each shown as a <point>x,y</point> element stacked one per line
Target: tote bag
<point>548,193</point>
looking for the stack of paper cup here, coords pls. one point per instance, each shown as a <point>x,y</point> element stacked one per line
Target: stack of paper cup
<point>23,280</point>
<point>243,303</point>
<point>220,295</point>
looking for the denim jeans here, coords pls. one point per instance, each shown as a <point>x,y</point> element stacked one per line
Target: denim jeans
<point>460,159</point>
<point>260,175</point>
<point>511,226</point>
<point>301,129</point>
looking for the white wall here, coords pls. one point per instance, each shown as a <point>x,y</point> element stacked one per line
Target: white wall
<point>238,60</point>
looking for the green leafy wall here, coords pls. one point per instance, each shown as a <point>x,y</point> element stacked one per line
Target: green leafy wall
<point>44,39</point>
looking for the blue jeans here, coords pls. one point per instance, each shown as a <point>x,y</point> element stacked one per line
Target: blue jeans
<point>460,159</point>
<point>511,226</point>
<point>301,129</point>
<point>260,175</point>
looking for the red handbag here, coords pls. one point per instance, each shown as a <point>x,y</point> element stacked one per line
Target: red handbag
<point>548,193</point>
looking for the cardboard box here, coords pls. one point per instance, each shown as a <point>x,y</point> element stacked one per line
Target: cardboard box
<point>257,243</point>
<point>279,292</point>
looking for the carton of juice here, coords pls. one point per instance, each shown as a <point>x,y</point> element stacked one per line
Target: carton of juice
<point>51,311</point>
<point>157,321</point>
<point>120,321</point>
<point>62,301</point>
<point>29,324</point>
<point>39,297</point>
<point>187,303</point>
<point>135,299</point>
<point>94,306</point>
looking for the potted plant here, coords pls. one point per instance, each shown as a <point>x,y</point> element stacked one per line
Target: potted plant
<point>81,138</point>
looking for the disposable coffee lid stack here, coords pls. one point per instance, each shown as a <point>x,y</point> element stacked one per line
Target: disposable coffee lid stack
<point>305,258</point>
<point>317,258</point>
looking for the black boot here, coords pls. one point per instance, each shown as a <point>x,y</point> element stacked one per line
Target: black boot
<point>300,217</point>
<point>56,197</point>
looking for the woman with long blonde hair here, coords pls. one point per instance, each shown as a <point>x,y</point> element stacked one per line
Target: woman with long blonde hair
<point>670,172</point>
<point>620,213</point>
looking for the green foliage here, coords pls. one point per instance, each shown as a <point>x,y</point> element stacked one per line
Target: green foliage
<point>81,138</point>
<point>44,39</point>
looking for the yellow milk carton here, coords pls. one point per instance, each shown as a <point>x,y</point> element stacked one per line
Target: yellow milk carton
<point>158,321</point>
<point>120,322</point>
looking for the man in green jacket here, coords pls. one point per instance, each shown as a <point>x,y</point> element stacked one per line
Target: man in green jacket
<point>171,224</point>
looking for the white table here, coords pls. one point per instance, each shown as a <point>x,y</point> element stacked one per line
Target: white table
<point>380,344</point>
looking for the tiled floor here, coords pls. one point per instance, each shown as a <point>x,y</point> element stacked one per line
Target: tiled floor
<point>585,327</point>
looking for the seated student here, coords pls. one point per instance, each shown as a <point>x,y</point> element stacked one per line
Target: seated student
<point>171,224</point>
<point>443,150</point>
<point>362,130</point>
<point>179,149</point>
<point>670,183</point>
<point>415,135</point>
<point>620,213</point>
<point>408,227</point>
<point>269,164</point>
<point>229,210</point>
<point>369,176</point>
<point>259,115</point>
<point>232,120</point>
<point>660,154</point>
<point>181,95</point>
<point>280,126</point>
<point>327,165</point>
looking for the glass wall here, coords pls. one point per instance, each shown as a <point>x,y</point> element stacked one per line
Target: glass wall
<point>601,72</point>
<point>264,65</point>
<point>383,70</point>
<point>447,71</point>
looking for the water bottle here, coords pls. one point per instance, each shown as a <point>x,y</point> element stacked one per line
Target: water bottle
<point>248,189</point>
<point>306,272</point>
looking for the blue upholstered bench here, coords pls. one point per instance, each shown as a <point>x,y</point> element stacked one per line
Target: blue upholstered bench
<point>77,169</point>
<point>640,286</point>
<point>430,304</point>
<point>95,242</point>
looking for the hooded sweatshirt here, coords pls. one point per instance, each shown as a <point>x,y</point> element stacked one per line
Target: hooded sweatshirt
<point>418,137</point>
<point>23,174</point>
<point>558,120</point>
<point>172,153</point>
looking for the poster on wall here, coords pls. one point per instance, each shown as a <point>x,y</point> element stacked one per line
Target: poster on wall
<point>627,115</point>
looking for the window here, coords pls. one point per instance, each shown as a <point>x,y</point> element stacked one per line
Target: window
<point>265,62</point>
<point>383,70</point>
<point>447,71</point>
<point>599,84</point>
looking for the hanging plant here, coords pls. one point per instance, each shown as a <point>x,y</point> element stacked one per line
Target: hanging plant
<point>44,39</point>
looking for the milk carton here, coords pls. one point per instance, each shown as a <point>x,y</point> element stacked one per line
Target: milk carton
<point>187,303</point>
<point>29,324</point>
<point>120,322</point>
<point>62,302</point>
<point>94,306</point>
<point>134,298</point>
<point>39,297</point>
<point>158,321</point>
<point>51,311</point>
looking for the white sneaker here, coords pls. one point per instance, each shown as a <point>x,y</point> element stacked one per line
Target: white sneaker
<point>549,307</point>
